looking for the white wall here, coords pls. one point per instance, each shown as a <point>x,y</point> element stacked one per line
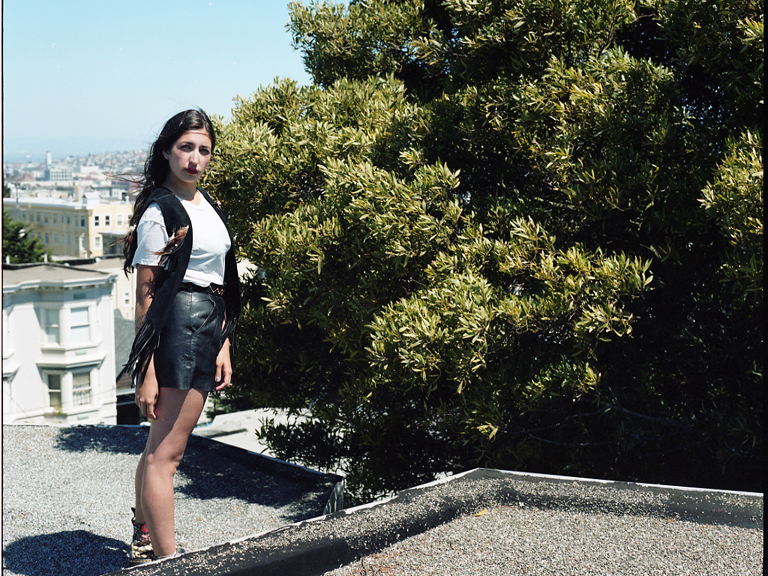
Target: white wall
<point>28,358</point>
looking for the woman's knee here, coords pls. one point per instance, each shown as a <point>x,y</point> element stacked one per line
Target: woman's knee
<point>164,462</point>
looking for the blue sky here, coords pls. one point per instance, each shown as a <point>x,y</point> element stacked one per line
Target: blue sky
<point>85,76</point>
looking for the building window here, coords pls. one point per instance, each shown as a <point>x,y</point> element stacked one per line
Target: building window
<point>51,326</point>
<point>67,218</point>
<point>37,216</point>
<point>54,391</point>
<point>127,298</point>
<point>97,242</point>
<point>82,221</point>
<point>55,218</point>
<point>79,327</point>
<point>45,237</point>
<point>95,221</point>
<point>119,219</point>
<point>45,217</point>
<point>106,219</point>
<point>81,389</point>
<point>55,239</point>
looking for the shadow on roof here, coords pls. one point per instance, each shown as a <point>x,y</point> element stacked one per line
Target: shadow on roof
<point>81,438</point>
<point>232,472</point>
<point>212,470</point>
<point>66,553</point>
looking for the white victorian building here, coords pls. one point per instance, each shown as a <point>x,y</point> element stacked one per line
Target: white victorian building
<point>58,345</point>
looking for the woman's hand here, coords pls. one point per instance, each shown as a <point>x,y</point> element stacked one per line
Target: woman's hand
<point>147,392</point>
<point>223,367</point>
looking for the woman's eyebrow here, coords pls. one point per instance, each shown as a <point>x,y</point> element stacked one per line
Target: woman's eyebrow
<point>190,143</point>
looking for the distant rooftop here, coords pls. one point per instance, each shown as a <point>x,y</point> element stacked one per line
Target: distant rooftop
<point>89,199</point>
<point>16,275</point>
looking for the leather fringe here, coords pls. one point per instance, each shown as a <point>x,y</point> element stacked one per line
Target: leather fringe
<point>144,345</point>
<point>173,245</point>
<point>229,332</point>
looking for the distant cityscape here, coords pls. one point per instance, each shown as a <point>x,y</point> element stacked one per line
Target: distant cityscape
<point>68,323</point>
<point>93,167</point>
<point>78,207</point>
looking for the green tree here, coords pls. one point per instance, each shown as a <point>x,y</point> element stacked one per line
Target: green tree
<point>522,234</point>
<point>19,245</point>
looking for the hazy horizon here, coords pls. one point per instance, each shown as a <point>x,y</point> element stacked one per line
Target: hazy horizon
<point>85,78</point>
<point>35,151</point>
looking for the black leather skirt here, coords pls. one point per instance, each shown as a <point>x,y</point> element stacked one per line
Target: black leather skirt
<point>186,356</point>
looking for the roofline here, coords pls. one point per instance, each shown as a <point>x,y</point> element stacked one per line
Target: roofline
<point>617,483</point>
<point>85,203</point>
<point>58,203</point>
<point>98,278</point>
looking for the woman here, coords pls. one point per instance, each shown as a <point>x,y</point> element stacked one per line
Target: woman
<point>187,305</point>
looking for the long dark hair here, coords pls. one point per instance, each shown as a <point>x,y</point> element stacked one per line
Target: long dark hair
<point>156,169</point>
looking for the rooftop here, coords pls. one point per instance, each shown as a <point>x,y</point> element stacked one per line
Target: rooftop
<point>498,523</point>
<point>17,275</point>
<point>89,200</point>
<point>68,492</point>
<point>247,514</point>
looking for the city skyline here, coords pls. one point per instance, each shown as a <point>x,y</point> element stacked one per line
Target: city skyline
<point>75,84</point>
<point>103,159</point>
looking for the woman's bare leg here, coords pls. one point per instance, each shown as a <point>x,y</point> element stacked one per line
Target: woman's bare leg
<point>137,484</point>
<point>177,414</point>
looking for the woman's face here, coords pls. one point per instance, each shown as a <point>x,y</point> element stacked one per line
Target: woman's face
<point>189,157</point>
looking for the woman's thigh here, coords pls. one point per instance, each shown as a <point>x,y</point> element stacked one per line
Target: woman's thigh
<point>177,414</point>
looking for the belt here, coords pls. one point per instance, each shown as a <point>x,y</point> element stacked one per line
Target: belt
<point>215,289</point>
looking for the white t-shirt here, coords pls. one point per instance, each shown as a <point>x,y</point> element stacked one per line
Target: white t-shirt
<point>210,242</point>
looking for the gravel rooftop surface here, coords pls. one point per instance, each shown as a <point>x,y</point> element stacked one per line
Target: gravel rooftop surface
<point>494,523</point>
<point>485,522</point>
<point>527,540</point>
<point>68,492</point>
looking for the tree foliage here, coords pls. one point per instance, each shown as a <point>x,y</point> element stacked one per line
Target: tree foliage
<point>19,245</point>
<point>523,234</point>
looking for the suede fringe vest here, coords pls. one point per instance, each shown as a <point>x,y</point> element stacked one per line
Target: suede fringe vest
<point>174,263</point>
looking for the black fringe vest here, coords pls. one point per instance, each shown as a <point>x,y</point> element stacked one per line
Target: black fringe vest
<point>174,265</point>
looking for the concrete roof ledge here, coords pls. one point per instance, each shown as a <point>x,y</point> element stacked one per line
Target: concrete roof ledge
<point>321,545</point>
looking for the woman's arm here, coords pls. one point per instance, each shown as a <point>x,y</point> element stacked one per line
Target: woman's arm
<point>147,390</point>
